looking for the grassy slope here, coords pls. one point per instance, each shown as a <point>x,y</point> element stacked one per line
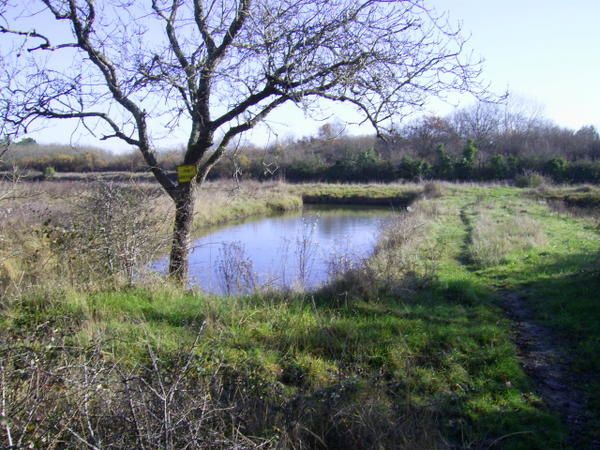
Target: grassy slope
<point>375,194</point>
<point>219,203</point>
<point>560,282</point>
<point>397,367</point>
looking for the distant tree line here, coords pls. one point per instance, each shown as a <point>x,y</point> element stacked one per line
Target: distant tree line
<point>485,142</point>
<point>27,154</point>
<point>370,166</point>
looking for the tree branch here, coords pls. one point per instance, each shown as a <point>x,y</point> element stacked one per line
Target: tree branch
<point>176,47</point>
<point>82,32</point>
<point>45,45</point>
<point>233,132</point>
<point>202,26</point>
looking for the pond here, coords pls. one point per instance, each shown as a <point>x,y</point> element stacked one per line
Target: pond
<point>296,251</point>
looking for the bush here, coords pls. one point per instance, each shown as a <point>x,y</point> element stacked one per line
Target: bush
<point>557,168</point>
<point>110,235</point>
<point>498,167</point>
<point>530,180</point>
<point>433,190</point>
<point>49,172</point>
<point>444,166</point>
<point>413,169</point>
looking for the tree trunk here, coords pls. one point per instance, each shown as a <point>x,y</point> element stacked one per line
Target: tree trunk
<point>184,213</point>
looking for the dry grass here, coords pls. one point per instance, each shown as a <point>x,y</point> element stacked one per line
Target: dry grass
<point>433,189</point>
<point>494,237</point>
<point>405,255</point>
<point>405,258</point>
<point>226,201</point>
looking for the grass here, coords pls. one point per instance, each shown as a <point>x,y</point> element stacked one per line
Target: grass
<point>368,194</point>
<point>218,203</point>
<point>558,275</point>
<point>584,196</point>
<point>412,351</point>
<point>561,283</point>
<point>502,397</point>
<point>497,233</point>
<point>435,357</point>
<point>552,265</point>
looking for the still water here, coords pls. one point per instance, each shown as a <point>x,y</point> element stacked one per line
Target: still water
<point>299,251</point>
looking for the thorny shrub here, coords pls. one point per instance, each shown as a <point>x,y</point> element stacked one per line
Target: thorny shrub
<point>54,395</point>
<point>15,249</point>
<point>51,399</point>
<point>111,233</point>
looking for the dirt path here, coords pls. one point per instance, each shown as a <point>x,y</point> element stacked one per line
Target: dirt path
<point>549,368</point>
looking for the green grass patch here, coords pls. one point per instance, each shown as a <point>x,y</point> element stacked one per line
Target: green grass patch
<point>558,277</point>
<point>433,354</point>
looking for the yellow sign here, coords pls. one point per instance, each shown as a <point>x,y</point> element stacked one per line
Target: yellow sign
<point>185,174</point>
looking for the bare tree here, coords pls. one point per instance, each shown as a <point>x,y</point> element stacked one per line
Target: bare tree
<point>219,67</point>
<point>480,122</point>
<point>5,137</point>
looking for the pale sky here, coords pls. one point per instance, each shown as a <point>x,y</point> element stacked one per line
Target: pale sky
<point>547,51</point>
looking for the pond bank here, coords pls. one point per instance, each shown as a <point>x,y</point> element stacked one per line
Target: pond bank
<point>214,207</point>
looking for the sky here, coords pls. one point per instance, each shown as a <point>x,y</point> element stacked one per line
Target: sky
<point>544,51</point>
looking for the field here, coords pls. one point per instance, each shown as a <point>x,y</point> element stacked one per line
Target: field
<point>474,325</point>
